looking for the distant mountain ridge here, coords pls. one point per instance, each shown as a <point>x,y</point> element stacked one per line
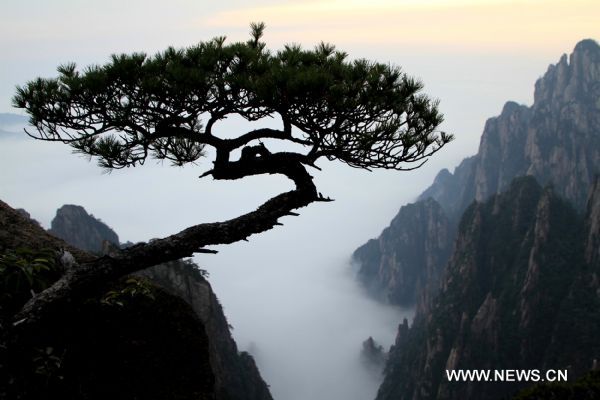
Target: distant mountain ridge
<point>418,240</point>
<point>11,123</point>
<point>75,226</point>
<point>556,140</point>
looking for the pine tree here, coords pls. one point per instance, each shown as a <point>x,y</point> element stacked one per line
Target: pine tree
<point>365,114</point>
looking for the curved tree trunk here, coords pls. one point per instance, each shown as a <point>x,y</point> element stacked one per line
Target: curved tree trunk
<point>94,275</point>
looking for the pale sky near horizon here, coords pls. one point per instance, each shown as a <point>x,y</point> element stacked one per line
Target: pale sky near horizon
<point>36,36</point>
<point>473,55</point>
<point>497,47</point>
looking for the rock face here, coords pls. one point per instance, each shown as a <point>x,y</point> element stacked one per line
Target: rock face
<point>592,249</point>
<point>408,255</point>
<point>17,230</point>
<point>519,292</point>
<point>236,375</point>
<point>373,355</point>
<point>556,140</point>
<point>75,226</point>
<point>148,346</point>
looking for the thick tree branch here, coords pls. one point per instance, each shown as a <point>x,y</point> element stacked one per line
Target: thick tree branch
<point>367,115</point>
<point>264,133</point>
<point>92,276</point>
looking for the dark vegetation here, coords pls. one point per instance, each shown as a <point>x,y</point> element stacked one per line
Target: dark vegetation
<point>111,343</point>
<point>585,388</point>
<point>133,341</point>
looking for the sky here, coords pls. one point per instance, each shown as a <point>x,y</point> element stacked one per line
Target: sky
<point>289,293</point>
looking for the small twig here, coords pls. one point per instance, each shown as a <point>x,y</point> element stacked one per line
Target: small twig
<point>207,251</point>
<point>207,173</point>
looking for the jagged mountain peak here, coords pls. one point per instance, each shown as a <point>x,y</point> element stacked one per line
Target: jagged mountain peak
<point>587,45</point>
<point>73,224</point>
<point>556,140</point>
<point>510,107</point>
<point>522,280</point>
<point>573,77</point>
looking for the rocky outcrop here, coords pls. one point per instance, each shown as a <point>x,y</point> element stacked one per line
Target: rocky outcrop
<point>517,294</point>
<point>408,255</point>
<point>236,374</point>
<point>18,230</point>
<point>148,344</point>
<point>373,355</point>
<point>449,189</point>
<point>75,226</point>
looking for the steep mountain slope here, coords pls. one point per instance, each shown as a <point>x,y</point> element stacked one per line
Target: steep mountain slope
<point>236,374</point>
<point>133,341</point>
<point>406,257</point>
<point>556,140</point>
<point>74,225</point>
<point>520,292</point>
<point>30,234</point>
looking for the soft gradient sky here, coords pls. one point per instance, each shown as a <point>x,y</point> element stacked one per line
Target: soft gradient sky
<point>473,55</point>
<point>286,291</point>
<point>490,50</point>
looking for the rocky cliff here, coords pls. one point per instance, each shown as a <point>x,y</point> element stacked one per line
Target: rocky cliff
<point>408,255</point>
<point>130,340</point>
<point>236,374</point>
<point>556,140</point>
<point>17,230</point>
<point>520,292</point>
<point>75,226</point>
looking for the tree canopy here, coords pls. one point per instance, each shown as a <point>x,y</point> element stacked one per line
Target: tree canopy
<point>365,114</point>
<point>362,113</point>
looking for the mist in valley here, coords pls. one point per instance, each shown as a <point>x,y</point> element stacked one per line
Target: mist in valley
<point>295,305</point>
